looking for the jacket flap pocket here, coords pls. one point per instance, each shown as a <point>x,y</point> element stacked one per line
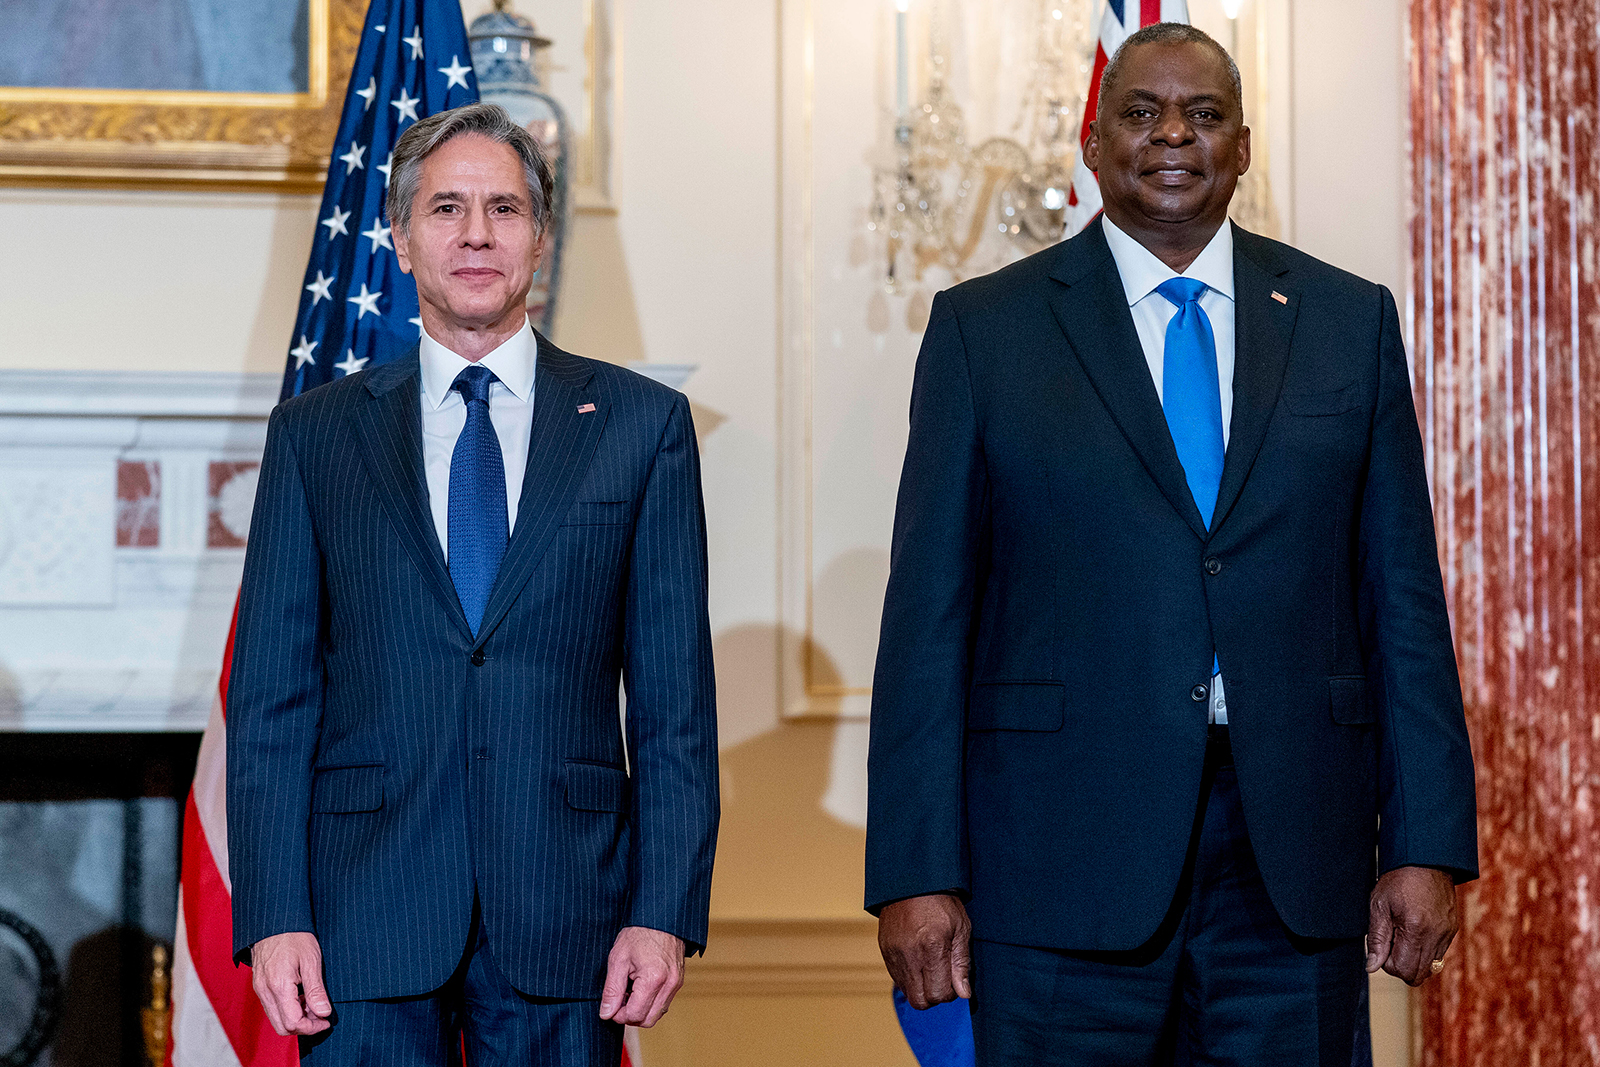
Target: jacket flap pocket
<point>599,513</point>
<point>1336,402</point>
<point>1038,706</point>
<point>1350,704</point>
<point>347,789</point>
<point>596,787</point>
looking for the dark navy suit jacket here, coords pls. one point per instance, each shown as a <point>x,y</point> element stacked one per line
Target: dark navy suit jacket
<point>384,765</point>
<point>1038,726</point>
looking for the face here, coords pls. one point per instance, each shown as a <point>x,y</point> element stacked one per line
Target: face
<point>1169,143</point>
<point>473,243</point>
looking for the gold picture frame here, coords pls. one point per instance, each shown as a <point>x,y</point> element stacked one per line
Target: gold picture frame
<point>117,138</point>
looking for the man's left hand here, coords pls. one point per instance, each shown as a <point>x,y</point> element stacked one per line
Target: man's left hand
<point>1413,921</point>
<point>643,974</point>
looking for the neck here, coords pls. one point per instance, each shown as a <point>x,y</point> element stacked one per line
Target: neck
<point>472,341</point>
<point>1175,245</point>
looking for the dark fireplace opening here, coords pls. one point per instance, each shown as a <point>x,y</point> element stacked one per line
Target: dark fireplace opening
<point>90,826</point>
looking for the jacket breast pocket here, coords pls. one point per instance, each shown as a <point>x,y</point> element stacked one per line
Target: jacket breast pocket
<point>596,787</point>
<point>1348,697</point>
<point>1037,706</point>
<point>346,790</point>
<point>1322,405</point>
<point>599,513</point>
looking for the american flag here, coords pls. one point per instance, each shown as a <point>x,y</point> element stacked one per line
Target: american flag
<point>357,310</point>
<point>1118,19</point>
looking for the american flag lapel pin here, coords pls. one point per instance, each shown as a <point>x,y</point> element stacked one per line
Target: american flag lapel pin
<point>584,409</point>
<point>1279,297</point>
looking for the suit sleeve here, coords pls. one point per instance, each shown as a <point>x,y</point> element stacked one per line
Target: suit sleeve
<point>916,833</point>
<point>274,705</point>
<point>672,709</point>
<point>1426,794</point>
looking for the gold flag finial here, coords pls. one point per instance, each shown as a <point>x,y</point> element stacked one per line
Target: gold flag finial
<point>501,5</point>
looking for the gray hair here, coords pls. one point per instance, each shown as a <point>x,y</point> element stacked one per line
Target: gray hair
<point>425,137</point>
<point>1171,33</point>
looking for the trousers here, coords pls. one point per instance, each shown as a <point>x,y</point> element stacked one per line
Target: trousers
<point>1223,983</point>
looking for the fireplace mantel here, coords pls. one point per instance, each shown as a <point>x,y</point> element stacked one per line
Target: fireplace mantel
<point>124,508</point>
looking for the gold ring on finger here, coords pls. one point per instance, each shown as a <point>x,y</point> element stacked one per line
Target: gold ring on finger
<point>1438,965</point>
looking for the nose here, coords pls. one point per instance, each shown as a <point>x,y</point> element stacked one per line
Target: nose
<point>1173,128</point>
<point>478,232</point>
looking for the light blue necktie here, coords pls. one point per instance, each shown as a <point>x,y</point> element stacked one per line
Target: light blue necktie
<point>479,529</point>
<point>1191,395</point>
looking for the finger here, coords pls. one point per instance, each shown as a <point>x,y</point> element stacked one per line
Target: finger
<point>1380,932</point>
<point>313,992</point>
<point>1405,957</point>
<point>287,996</point>
<point>269,1005</point>
<point>663,999</point>
<point>936,974</point>
<point>641,997</point>
<point>615,991</point>
<point>961,966</point>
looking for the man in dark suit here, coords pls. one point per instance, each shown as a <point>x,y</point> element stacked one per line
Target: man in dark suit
<point>1166,680</point>
<point>438,824</point>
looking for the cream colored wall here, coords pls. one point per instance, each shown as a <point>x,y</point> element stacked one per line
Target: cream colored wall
<point>687,271</point>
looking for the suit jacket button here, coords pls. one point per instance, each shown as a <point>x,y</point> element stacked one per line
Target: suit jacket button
<point>478,658</point>
<point>1199,693</point>
<point>1213,565</point>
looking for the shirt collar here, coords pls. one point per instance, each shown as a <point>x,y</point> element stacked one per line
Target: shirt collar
<point>1142,271</point>
<point>512,362</point>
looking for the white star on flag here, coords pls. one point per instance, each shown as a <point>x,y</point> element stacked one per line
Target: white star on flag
<point>350,364</point>
<point>417,322</point>
<point>379,235</point>
<point>388,164</point>
<point>415,41</point>
<point>406,106</point>
<point>370,93</point>
<point>352,158</point>
<point>320,289</point>
<point>381,29</point>
<point>365,301</point>
<point>302,354</point>
<point>456,73</point>
<point>335,223</point>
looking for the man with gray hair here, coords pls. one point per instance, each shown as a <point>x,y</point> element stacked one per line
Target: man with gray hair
<point>1166,718</point>
<point>443,834</point>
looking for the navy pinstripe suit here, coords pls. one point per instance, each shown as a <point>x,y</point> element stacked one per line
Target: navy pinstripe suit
<point>384,766</point>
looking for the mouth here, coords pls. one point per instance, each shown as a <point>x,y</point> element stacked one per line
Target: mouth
<point>1172,175</point>
<point>473,274</point>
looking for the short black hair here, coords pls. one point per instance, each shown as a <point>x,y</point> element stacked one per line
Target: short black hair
<point>1171,33</point>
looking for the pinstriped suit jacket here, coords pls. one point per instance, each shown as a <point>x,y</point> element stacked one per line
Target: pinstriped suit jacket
<point>383,764</point>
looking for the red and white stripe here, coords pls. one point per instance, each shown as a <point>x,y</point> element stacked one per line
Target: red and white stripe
<point>1083,203</point>
<point>216,1019</point>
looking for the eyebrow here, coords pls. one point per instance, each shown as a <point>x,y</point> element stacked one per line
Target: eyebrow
<point>1148,96</point>
<point>493,198</point>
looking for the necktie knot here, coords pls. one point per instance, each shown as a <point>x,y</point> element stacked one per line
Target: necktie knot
<point>474,383</point>
<point>1181,291</point>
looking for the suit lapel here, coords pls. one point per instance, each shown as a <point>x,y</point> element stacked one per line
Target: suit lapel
<point>1264,327</point>
<point>390,431</point>
<point>1092,310</point>
<point>560,449</point>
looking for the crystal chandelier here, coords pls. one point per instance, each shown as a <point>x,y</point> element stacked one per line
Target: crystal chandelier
<point>967,209</point>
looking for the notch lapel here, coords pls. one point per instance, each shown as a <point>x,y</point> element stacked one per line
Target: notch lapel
<point>560,449</point>
<point>390,431</point>
<point>1091,308</point>
<point>1264,329</point>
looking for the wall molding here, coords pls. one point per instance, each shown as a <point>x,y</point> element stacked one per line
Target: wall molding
<point>789,957</point>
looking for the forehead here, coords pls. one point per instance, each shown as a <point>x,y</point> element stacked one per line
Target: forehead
<point>1175,71</point>
<point>471,160</point>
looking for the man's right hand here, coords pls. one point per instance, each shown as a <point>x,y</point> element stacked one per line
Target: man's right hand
<point>287,977</point>
<point>927,944</point>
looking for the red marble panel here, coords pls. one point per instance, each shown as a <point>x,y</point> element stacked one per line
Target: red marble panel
<point>1505,327</point>
<point>138,504</point>
<point>230,497</point>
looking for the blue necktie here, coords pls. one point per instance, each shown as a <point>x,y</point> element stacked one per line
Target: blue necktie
<point>1191,396</point>
<point>479,529</point>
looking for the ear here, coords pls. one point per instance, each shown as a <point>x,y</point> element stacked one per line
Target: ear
<point>1091,147</point>
<point>1244,149</point>
<point>539,244</point>
<point>402,247</point>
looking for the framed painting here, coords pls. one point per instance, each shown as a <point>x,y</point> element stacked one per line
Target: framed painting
<point>174,93</point>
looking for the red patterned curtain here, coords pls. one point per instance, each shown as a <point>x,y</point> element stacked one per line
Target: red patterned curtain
<point>1505,328</point>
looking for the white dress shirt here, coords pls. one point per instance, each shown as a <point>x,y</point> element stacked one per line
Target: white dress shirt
<point>1142,273</point>
<point>444,414</point>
